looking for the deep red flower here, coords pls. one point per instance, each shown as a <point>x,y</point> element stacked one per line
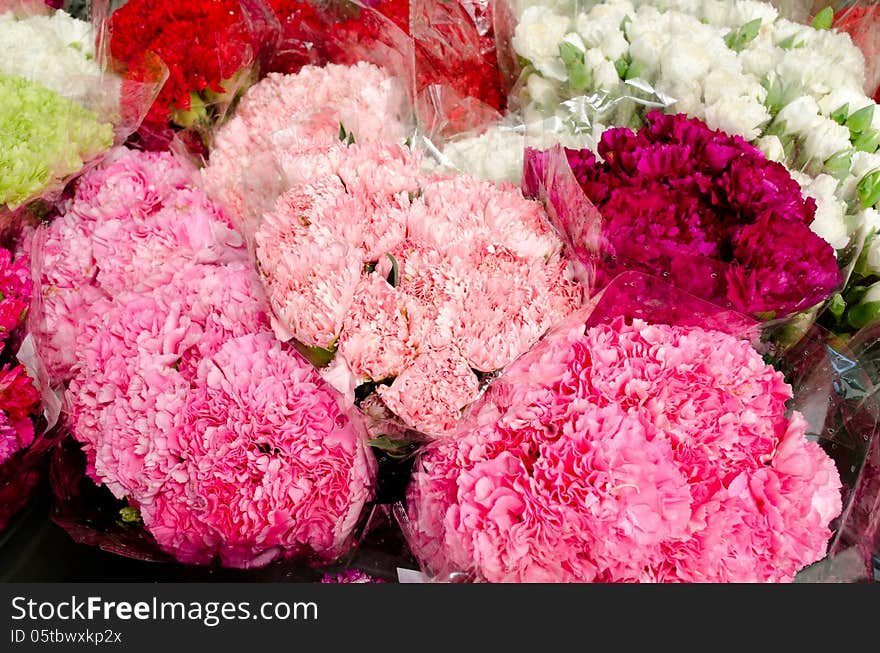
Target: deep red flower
<point>203,44</point>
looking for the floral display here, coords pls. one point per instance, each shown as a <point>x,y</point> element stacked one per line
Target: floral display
<point>418,291</point>
<point>432,281</point>
<point>178,388</point>
<point>628,452</point>
<point>675,196</point>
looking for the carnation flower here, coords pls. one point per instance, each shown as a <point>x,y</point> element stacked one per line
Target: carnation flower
<point>310,110</point>
<point>350,576</point>
<point>204,73</point>
<point>19,399</point>
<point>44,138</point>
<point>129,218</point>
<point>270,464</point>
<point>15,292</point>
<point>676,194</point>
<point>627,452</point>
<point>437,277</point>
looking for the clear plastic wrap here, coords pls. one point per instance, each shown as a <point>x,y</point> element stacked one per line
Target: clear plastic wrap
<point>517,495</point>
<point>151,321</point>
<point>28,406</point>
<point>205,76</point>
<point>62,108</point>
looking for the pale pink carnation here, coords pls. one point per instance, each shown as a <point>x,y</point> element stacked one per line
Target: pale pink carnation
<point>308,109</point>
<point>379,334</point>
<point>134,357</point>
<point>627,453</point>
<point>128,184</point>
<point>431,393</point>
<point>271,465</point>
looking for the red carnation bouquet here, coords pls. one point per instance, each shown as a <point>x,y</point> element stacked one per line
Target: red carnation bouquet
<point>456,63</point>
<point>211,50</point>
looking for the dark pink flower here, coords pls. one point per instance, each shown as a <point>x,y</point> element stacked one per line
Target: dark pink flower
<point>702,207</point>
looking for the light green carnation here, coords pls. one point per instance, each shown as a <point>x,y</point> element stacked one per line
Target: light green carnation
<point>44,138</point>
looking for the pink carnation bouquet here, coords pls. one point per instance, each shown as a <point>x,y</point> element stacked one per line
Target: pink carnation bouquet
<point>625,450</point>
<point>414,288</point>
<point>225,444</point>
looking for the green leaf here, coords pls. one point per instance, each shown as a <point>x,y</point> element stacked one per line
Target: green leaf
<point>621,65</point>
<point>790,43</point>
<point>840,114</point>
<point>130,515</point>
<point>861,119</point>
<point>869,189</point>
<point>838,165</point>
<point>342,132</point>
<point>837,306</point>
<point>864,314</point>
<point>626,21</point>
<point>579,78</point>
<point>394,447</point>
<point>317,356</point>
<point>824,19</point>
<point>2,296</point>
<point>394,275</point>
<point>739,38</point>
<point>775,96</point>
<point>776,128</point>
<point>23,314</point>
<point>868,142</point>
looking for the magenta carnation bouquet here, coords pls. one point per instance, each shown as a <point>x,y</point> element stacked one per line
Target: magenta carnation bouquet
<point>224,443</point>
<point>704,209</point>
<point>625,450</point>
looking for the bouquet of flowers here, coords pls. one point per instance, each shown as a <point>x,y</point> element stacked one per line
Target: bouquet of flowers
<point>211,50</point>
<point>223,442</point>
<point>413,288</point>
<point>644,440</point>
<point>20,399</point>
<point>706,209</point>
<point>54,114</point>
<point>453,42</point>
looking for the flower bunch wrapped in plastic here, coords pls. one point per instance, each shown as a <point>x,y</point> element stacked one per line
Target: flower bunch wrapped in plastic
<point>308,111</point>
<point>416,286</point>
<point>53,119</point>
<point>20,399</point>
<point>227,442</point>
<point>419,288</point>
<point>18,396</point>
<point>706,209</point>
<point>211,50</point>
<point>798,92</point>
<point>454,41</point>
<point>626,450</point>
